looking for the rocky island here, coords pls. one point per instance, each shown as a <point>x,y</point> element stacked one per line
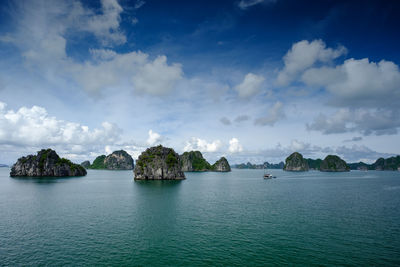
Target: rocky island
<point>85,164</point>
<point>296,163</point>
<point>222,165</point>
<point>193,161</point>
<point>118,160</point>
<point>159,163</point>
<point>46,163</point>
<point>333,163</point>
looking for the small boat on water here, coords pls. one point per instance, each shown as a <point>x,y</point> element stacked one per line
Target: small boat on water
<point>268,176</point>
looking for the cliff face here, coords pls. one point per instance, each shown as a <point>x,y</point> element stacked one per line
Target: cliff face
<point>193,161</point>
<point>222,165</point>
<point>389,164</point>
<point>46,163</point>
<point>296,162</point>
<point>158,163</point>
<point>333,163</point>
<point>85,164</point>
<point>118,160</point>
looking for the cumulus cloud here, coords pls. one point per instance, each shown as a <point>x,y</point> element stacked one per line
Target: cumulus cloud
<point>358,83</point>
<point>154,138</point>
<point>225,121</point>
<point>41,36</point>
<point>202,145</point>
<point>157,77</point>
<point>104,26</point>
<point>367,122</point>
<point>303,55</point>
<point>35,127</point>
<point>275,113</point>
<point>235,146</point>
<point>250,85</point>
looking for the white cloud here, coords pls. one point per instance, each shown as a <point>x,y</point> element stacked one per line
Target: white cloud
<point>202,145</point>
<point>139,4</point>
<point>41,37</point>
<point>275,114</point>
<point>34,127</point>
<point>157,77</point>
<point>365,121</point>
<point>235,146</point>
<point>105,26</point>
<point>250,85</point>
<point>303,55</point>
<point>358,83</point>
<point>154,138</point>
<point>244,4</point>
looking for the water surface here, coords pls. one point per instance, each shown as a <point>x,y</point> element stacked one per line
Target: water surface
<point>230,219</point>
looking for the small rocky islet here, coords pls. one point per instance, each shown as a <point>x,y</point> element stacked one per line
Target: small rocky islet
<point>296,163</point>
<point>46,163</point>
<point>331,163</point>
<point>118,160</point>
<point>159,163</point>
<point>193,161</point>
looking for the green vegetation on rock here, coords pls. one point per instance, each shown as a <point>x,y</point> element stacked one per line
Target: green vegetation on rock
<point>193,161</point>
<point>158,163</point>
<point>296,162</point>
<point>333,163</point>
<point>98,163</point>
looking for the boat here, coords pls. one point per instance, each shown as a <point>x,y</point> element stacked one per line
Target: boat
<point>267,176</point>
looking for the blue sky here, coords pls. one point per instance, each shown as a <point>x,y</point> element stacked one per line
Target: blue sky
<point>251,80</point>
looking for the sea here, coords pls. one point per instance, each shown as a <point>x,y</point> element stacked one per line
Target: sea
<point>210,219</point>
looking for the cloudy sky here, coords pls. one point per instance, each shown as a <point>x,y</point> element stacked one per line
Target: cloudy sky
<point>253,80</point>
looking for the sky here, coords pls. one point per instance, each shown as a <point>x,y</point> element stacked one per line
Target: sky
<point>251,80</point>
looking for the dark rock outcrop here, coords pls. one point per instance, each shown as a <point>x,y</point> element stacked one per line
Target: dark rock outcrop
<point>85,164</point>
<point>333,163</point>
<point>118,160</point>
<point>46,163</point>
<point>193,161</point>
<point>158,163</point>
<point>222,165</point>
<point>314,164</point>
<point>296,163</point>
<point>389,164</point>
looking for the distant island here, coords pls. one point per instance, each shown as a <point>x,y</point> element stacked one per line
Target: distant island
<point>3,165</point>
<point>381,164</point>
<point>158,163</point>
<point>46,163</point>
<point>118,160</point>
<point>193,161</point>
<point>265,165</point>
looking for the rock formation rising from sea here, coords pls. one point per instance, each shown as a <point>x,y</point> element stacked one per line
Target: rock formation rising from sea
<point>333,163</point>
<point>158,163</point>
<point>221,165</point>
<point>46,163</point>
<point>295,162</point>
<point>118,160</point>
<point>193,161</point>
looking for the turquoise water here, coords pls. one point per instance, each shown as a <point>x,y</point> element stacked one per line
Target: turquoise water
<point>230,219</point>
